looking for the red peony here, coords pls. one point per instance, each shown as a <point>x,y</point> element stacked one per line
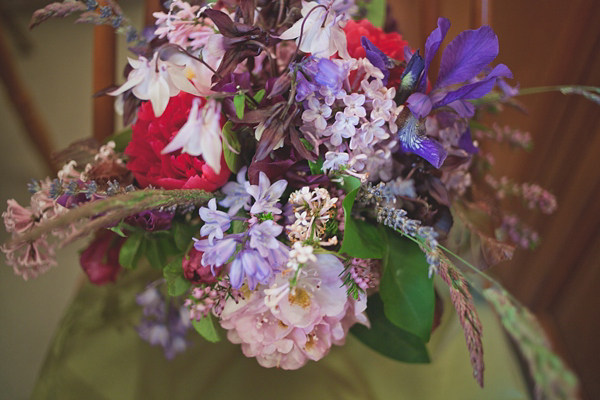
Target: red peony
<point>100,260</point>
<point>173,170</point>
<point>391,44</point>
<point>195,272</point>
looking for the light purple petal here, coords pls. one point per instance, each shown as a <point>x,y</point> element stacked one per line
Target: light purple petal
<point>463,108</point>
<point>431,47</point>
<point>467,55</point>
<point>420,104</point>
<point>478,89</point>
<point>236,274</point>
<point>466,143</point>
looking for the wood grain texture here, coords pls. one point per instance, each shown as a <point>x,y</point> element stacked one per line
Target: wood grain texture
<point>549,43</point>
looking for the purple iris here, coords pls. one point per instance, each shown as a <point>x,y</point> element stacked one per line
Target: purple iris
<point>378,58</point>
<point>462,61</point>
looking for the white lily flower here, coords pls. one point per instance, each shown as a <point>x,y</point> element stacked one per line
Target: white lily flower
<point>201,134</point>
<point>156,80</point>
<point>322,35</point>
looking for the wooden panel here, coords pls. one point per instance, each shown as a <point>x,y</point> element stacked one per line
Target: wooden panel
<point>549,43</point>
<point>577,314</point>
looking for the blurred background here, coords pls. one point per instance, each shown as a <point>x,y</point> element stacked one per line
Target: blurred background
<point>48,76</point>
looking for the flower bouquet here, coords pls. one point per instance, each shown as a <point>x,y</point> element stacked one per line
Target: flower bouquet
<point>292,173</point>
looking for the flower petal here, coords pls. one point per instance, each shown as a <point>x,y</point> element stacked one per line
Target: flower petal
<point>478,89</point>
<point>431,47</point>
<point>467,55</point>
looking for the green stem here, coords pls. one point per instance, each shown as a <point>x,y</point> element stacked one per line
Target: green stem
<point>557,88</point>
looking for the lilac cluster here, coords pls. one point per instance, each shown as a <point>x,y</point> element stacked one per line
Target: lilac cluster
<point>358,136</point>
<point>534,196</point>
<point>365,273</point>
<point>512,136</point>
<point>255,253</point>
<point>519,233</point>
<point>204,300</point>
<point>162,322</point>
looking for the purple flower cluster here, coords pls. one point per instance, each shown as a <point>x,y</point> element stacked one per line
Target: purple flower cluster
<point>163,323</point>
<point>256,253</point>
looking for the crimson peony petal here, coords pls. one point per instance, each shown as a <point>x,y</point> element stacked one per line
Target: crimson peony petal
<point>174,170</point>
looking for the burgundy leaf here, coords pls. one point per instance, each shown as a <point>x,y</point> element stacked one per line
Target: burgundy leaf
<point>269,139</point>
<point>298,145</point>
<point>226,26</point>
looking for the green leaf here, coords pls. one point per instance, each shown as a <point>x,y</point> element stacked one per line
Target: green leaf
<point>259,95</point>
<point>361,239</point>
<point>376,12</point>
<point>231,142</point>
<point>206,328</point>
<point>387,339</point>
<point>316,167</point>
<point>406,289</point>
<point>155,255</point>
<point>129,253</point>
<point>121,139</point>
<point>239,100</point>
<point>118,230</point>
<point>307,144</point>
<point>350,183</point>
<point>183,234</point>
<point>176,282</point>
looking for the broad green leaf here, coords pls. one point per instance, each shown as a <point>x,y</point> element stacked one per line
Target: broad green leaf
<point>168,247</point>
<point>128,255</point>
<point>316,167</point>
<point>239,101</point>
<point>386,338</point>
<point>176,282</point>
<point>155,255</point>
<point>231,142</point>
<point>350,183</point>
<point>376,12</point>
<point>361,239</point>
<point>259,95</point>
<point>183,233</point>
<point>206,328</point>
<point>406,289</point>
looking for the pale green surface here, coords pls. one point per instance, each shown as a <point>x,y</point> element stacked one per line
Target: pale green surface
<point>96,355</point>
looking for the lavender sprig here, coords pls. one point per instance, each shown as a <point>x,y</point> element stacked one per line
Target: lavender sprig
<point>552,380</point>
<point>56,10</point>
<point>465,308</point>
